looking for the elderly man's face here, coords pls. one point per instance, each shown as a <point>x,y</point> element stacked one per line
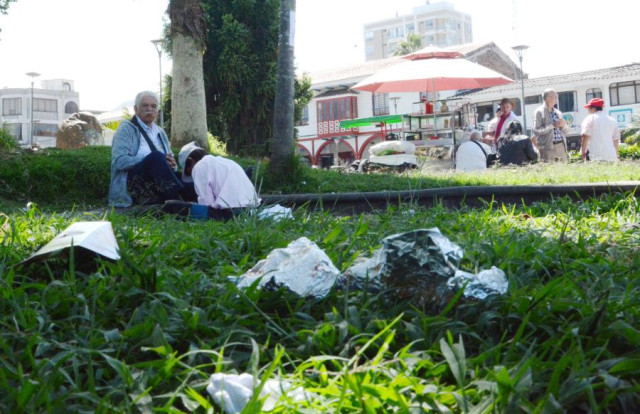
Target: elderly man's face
<point>551,99</point>
<point>147,111</point>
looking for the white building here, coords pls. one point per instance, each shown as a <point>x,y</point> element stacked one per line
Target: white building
<point>54,101</point>
<point>323,142</point>
<point>438,24</point>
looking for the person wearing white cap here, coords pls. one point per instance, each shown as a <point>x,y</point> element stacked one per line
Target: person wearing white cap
<point>600,134</point>
<point>220,183</point>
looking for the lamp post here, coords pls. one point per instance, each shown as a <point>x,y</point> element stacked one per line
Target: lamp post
<point>33,75</point>
<point>395,100</point>
<point>159,44</point>
<point>520,49</point>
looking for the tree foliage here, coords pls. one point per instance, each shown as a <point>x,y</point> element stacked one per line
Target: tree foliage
<point>240,64</point>
<point>412,43</point>
<point>4,5</point>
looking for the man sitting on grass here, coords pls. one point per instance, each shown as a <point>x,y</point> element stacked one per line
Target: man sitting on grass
<point>221,184</point>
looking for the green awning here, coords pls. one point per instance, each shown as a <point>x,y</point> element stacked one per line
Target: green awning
<point>358,122</point>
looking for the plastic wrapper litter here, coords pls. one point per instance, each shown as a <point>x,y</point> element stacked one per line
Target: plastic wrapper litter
<point>302,267</point>
<point>422,266</point>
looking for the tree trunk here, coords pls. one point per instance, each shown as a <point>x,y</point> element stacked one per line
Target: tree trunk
<point>188,105</point>
<point>283,144</point>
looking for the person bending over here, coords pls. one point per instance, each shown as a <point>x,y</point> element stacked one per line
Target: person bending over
<point>220,183</point>
<point>142,164</point>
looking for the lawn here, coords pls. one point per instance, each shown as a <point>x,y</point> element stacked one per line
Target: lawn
<point>145,333</point>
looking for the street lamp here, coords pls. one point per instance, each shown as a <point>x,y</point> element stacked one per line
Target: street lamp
<point>395,100</point>
<point>160,44</point>
<point>32,75</point>
<point>520,49</point>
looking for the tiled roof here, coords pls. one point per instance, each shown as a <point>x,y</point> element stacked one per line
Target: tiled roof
<point>631,70</point>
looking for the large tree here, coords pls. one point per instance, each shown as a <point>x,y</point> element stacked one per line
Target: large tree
<point>188,34</point>
<point>240,68</point>
<point>283,144</point>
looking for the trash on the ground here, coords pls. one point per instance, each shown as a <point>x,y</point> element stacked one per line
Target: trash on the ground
<point>481,285</point>
<point>232,392</point>
<point>85,236</point>
<point>275,212</point>
<point>302,267</point>
<point>421,265</point>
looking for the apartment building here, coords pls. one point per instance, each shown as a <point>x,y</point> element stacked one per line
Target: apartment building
<point>438,24</point>
<point>54,101</point>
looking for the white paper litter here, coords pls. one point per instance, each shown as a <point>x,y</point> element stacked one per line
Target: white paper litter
<point>302,267</point>
<point>275,212</point>
<point>96,236</point>
<point>232,392</point>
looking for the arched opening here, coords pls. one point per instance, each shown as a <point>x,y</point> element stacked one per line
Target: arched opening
<point>70,107</point>
<point>304,153</point>
<point>334,152</point>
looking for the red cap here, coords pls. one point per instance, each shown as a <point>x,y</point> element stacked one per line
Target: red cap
<point>595,103</point>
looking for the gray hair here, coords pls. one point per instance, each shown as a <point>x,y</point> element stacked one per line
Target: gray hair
<point>547,92</point>
<point>143,94</point>
<point>475,135</point>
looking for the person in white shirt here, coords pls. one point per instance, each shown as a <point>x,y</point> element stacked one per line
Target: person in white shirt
<point>220,183</point>
<point>472,155</point>
<point>600,134</point>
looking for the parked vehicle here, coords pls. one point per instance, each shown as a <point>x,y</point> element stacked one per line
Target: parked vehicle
<point>618,86</point>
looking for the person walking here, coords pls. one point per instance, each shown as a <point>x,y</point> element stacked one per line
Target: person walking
<point>600,134</point>
<point>550,129</point>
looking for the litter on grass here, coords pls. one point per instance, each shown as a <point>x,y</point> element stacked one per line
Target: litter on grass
<point>232,392</point>
<point>302,267</point>
<point>86,237</point>
<point>420,265</point>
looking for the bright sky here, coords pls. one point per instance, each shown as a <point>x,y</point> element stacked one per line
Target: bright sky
<point>104,46</point>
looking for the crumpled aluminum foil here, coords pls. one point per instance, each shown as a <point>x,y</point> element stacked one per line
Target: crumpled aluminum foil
<point>481,285</point>
<point>421,265</point>
<point>302,267</point>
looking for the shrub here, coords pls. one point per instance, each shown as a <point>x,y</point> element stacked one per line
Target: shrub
<point>7,142</point>
<point>630,152</point>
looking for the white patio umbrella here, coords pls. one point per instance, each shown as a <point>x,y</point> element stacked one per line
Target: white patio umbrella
<point>432,70</point>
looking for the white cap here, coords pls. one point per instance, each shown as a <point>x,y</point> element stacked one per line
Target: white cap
<point>185,151</point>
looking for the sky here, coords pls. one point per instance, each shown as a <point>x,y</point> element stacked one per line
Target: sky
<point>104,46</point>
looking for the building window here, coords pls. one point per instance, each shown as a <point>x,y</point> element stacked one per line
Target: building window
<point>337,109</point>
<point>70,108</point>
<point>45,130</point>
<point>11,106</point>
<point>66,86</point>
<point>594,93</point>
<point>15,130</point>
<point>304,119</point>
<point>411,28</point>
<point>45,105</point>
<point>532,100</point>
<point>624,93</point>
<point>567,101</point>
<point>368,35</point>
<point>380,104</point>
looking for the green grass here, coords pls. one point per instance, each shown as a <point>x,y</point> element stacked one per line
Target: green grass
<point>61,179</point>
<point>145,333</point>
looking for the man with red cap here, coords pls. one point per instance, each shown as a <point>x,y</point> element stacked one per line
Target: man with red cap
<point>600,134</point>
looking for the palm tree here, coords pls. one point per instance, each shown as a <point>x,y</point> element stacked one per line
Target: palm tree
<point>188,110</point>
<point>412,43</point>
